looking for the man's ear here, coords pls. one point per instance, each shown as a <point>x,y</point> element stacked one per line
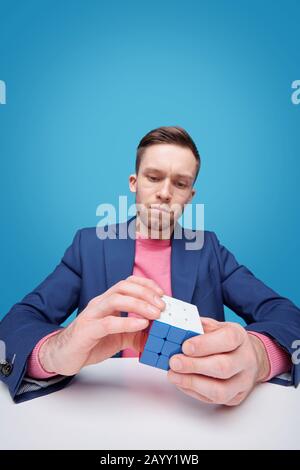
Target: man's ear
<point>192,195</point>
<point>132,183</point>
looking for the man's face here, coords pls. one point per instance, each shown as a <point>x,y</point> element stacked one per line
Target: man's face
<point>163,186</point>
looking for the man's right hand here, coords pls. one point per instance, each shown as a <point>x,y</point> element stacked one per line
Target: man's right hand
<point>99,331</point>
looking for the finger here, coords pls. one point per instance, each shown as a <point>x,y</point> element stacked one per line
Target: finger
<point>225,339</point>
<point>234,402</point>
<point>194,395</point>
<point>135,340</point>
<point>144,281</point>
<point>142,292</point>
<point>122,303</point>
<point>237,399</point>
<point>209,324</point>
<point>220,366</point>
<point>144,289</point>
<point>115,325</point>
<point>218,391</point>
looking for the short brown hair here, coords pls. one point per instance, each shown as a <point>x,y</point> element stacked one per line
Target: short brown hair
<point>167,135</point>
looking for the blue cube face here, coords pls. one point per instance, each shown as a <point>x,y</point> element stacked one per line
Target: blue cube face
<point>149,358</point>
<point>159,329</point>
<point>190,334</point>
<point>162,343</point>
<point>163,362</point>
<point>176,335</point>
<point>169,349</point>
<point>154,344</point>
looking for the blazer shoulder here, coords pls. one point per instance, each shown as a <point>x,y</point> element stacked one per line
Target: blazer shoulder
<point>95,235</point>
<point>87,232</point>
<point>212,239</point>
<point>88,235</point>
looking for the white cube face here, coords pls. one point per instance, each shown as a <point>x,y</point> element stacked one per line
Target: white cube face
<point>181,314</point>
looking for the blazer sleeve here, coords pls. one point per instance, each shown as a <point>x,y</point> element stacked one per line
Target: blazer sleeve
<point>264,310</point>
<point>39,313</point>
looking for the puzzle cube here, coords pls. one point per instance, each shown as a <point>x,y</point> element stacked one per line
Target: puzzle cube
<point>178,322</point>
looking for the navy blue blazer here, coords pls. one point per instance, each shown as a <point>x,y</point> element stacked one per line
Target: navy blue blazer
<point>209,277</point>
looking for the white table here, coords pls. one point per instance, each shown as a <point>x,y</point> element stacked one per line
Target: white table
<point>122,404</point>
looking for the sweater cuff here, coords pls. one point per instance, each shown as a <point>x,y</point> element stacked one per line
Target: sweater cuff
<point>279,359</point>
<point>34,367</point>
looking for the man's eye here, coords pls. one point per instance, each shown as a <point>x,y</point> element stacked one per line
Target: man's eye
<point>152,178</point>
<point>181,185</point>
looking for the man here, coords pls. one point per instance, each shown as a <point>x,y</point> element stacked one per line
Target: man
<point>104,278</point>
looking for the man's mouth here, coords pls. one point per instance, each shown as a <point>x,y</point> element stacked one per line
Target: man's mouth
<point>160,209</point>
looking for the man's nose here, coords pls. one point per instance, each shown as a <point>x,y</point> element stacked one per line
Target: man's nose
<point>165,192</point>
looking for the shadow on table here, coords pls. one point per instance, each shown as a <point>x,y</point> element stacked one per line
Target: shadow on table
<point>156,391</point>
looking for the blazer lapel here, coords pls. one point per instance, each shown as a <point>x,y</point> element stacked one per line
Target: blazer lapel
<point>184,266</point>
<point>119,254</point>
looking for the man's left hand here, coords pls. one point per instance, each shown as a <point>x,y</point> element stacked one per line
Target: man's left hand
<point>221,366</point>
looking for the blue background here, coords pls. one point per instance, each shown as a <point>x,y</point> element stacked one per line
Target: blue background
<point>87,79</point>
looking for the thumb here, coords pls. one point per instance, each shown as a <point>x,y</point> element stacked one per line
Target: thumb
<point>209,324</point>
